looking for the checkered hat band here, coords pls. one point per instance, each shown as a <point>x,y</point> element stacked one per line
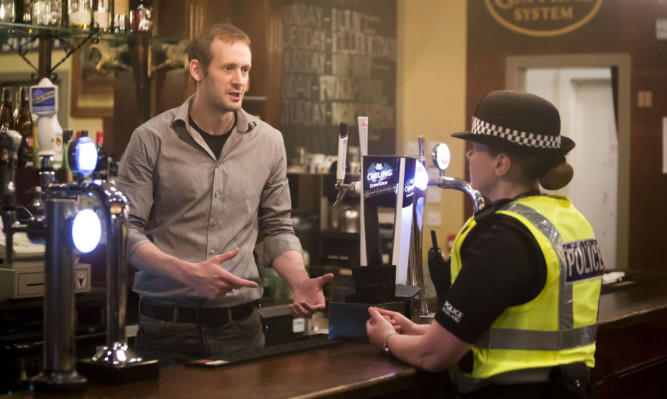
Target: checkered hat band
<point>515,136</point>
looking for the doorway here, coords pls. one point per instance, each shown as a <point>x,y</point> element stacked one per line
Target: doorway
<point>582,88</point>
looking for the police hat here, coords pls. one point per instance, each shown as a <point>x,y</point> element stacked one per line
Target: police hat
<point>518,121</point>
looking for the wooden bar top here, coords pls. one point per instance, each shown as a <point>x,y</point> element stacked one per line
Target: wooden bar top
<point>641,296</point>
<point>351,370</point>
<point>357,370</point>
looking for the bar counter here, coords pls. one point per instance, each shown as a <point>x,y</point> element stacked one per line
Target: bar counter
<point>631,354</point>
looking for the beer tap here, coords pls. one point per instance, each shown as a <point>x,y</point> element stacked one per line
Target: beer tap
<point>44,104</point>
<point>66,229</point>
<point>416,263</point>
<point>441,158</point>
<point>340,168</point>
<point>355,186</point>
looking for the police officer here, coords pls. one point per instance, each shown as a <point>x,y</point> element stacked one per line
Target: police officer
<point>519,320</point>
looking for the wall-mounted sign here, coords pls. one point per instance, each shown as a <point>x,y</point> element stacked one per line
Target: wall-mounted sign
<point>543,18</point>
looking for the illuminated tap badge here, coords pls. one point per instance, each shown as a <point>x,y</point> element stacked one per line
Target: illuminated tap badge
<point>583,260</point>
<point>43,100</point>
<point>381,178</point>
<point>379,174</point>
<point>409,189</point>
<point>543,18</point>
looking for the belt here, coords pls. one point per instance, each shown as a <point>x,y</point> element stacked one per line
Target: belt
<point>204,316</point>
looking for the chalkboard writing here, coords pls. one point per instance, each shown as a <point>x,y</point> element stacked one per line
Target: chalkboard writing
<point>339,63</point>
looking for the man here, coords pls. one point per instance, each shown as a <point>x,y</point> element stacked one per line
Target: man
<point>520,318</point>
<point>203,180</point>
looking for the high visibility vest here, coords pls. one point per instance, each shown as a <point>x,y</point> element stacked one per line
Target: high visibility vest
<point>559,325</point>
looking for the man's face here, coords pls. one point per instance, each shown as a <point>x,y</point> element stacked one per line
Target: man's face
<point>225,82</point>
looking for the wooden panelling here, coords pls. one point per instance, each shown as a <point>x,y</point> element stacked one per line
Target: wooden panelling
<point>620,26</point>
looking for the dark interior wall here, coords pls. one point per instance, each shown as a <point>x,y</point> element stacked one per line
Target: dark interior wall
<point>619,26</point>
<point>315,64</point>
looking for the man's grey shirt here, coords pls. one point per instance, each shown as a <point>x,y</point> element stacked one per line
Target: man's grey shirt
<point>193,204</point>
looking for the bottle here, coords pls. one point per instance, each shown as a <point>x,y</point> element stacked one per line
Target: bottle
<point>101,14</point>
<point>25,126</point>
<point>99,140</point>
<point>67,137</point>
<point>80,14</point>
<point>141,16</point>
<point>6,109</point>
<point>35,148</point>
<point>102,168</point>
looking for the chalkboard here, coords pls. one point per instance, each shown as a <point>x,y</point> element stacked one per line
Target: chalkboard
<point>339,63</point>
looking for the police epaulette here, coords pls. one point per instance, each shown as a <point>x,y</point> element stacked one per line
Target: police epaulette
<point>487,212</point>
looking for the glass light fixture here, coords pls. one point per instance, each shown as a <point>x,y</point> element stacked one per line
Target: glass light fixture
<point>82,156</point>
<point>86,230</point>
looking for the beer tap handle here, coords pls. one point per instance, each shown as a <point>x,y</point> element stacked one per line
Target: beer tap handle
<point>421,158</point>
<point>362,121</point>
<point>342,153</point>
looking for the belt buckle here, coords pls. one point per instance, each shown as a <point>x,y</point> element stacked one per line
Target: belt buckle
<point>174,315</point>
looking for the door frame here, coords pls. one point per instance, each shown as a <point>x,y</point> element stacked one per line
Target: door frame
<point>515,70</point>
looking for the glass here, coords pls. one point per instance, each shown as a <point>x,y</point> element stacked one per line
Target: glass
<point>80,14</point>
<point>101,14</point>
<point>47,12</point>
<point>121,16</point>
<point>6,10</point>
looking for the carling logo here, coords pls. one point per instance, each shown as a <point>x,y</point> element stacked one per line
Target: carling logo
<point>409,188</point>
<point>378,174</point>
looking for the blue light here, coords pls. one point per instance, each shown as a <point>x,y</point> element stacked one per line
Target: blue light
<point>421,177</point>
<point>86,230</point>
<point>82,156</point>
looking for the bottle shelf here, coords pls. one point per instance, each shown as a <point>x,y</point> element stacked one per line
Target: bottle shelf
<point>10,29</point>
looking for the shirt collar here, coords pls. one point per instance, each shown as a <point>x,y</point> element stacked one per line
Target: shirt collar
<point>244,122</point>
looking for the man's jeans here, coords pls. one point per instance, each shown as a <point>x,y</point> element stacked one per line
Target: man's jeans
<point>173,343</point>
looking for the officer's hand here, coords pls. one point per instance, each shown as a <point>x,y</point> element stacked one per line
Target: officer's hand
<point>402,324</point>
<point>377,328</point>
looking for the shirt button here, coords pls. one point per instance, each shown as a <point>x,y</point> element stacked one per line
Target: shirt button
<point>214,224</point>
<point>217,194</point>
<point>212,251</point>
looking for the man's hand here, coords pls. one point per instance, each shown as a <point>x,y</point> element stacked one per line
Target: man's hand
<point>212,281</point>
<point>308,296</point>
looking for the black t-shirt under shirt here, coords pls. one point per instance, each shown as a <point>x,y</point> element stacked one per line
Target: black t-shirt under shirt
<point>214,141</point>
<point>502,267</point>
